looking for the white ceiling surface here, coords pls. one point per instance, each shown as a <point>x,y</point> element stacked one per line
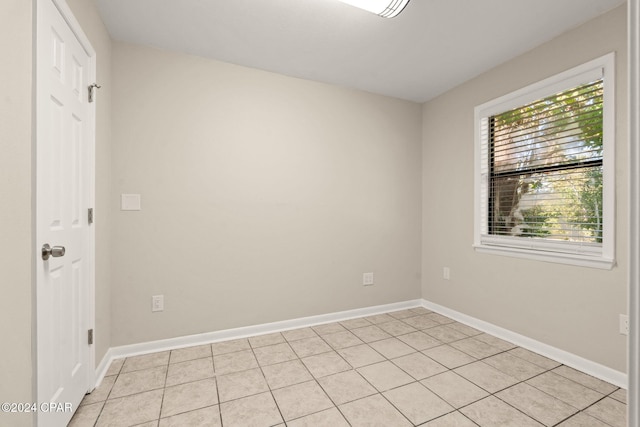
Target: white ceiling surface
<point>431,47</point>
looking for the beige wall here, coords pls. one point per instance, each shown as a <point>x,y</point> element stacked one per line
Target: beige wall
<point>264,197</point>
<point>16,287</point>
<point>572,308</point>
<point>87,15</point>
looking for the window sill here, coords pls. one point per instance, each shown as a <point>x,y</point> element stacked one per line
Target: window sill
<point>554,257</point>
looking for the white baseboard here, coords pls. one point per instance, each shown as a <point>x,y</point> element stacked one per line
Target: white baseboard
<point>587,366</point>
<point>230,334</point>
<point>103,367</point>
<point>592,368</point>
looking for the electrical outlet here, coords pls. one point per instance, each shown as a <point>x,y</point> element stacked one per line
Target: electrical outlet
<point>446,273</point>
<point>157,303</point>
<point>367,279</point>
<point>624,324</point>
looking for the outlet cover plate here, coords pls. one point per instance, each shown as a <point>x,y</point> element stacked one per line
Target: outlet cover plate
<point>157,303</point>
<point>367,279</point>
<point>624,324</point>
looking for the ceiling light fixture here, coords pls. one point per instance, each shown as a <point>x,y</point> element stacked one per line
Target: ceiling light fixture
<point>384,8</point>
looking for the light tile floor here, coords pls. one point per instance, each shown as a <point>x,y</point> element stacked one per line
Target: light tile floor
<point>404,368</point>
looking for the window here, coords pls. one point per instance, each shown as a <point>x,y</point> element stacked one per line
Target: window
<point>545,169</point>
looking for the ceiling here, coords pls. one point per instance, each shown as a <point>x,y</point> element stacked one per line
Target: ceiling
<point>431,47</point>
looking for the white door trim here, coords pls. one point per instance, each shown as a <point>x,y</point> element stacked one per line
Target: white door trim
<point>75,27</point>
<point>633,418</point>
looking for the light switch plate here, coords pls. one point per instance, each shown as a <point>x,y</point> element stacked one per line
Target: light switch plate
<point>130,202</point>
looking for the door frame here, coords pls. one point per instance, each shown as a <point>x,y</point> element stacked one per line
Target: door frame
<point>633,362</point>
<point>89,319</point>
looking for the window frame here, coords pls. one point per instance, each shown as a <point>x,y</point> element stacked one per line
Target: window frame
<point>573,253</point>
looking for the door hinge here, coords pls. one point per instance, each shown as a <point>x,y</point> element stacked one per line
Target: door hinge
<point>90,215</point>
<point>90,336</point>
<point>92,91</point>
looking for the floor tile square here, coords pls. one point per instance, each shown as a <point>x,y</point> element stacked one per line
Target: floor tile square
<point>418,365</point>
<point>187,397</point>
<point>252,411</point>
<point>115,367</point>
<point>86,415</point>
<point>453,419</point>
<point>299,334</point>
<point>419,340</point>
<point>610,411</point>
<point>373,411</point>
<point>475,348</point>
<point>496,342</point>
<point>286,374</point>
<point>346,387</point>
<point>420,310</point>
<point>342,339</point>
<point>205,417</point>
<point>467,330</point>
<point>273,354</point>
<point>421,322</point>
<point>486,377</point>
<point>234,362</point>
<point>534,358</point>
<point>100,393</point>
<point>514,366</point>
<point>371,333</point>
<point>361,355</point>
<point>449,356</point>
<point>620,395</point>
<point>396,328</point>
<point>310,346</point>
<point>586,380</point>
<point>241,384</point>
<point>391,348</point>
<point>445,334</point>
<point>139,381</point>
<point>192,370</point>
<point>582,420</point>
<point>355,323</point>
<point>566,390</point>
<point>145,361</point>
<point>492,412</point>
<point>325,364</point>
<point>402,314</point>
<point>190,353</point>
<point>538,405</point>
<point>439,318</point>
<point>417,403</point>
<point>385,375</point>
<point>329,328</point>
<point>379,318</point>
<point>298,400</point>
<point>327,418</point>
<point>230,346</point>
<point>131,410</point>
<point>267,339</point>
<point>454,389</point>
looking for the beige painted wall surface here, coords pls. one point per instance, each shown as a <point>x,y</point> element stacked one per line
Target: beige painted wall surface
<point>87,15</point>
<point>572,308</point>
<point>15,215</point>
<point>264,197</point>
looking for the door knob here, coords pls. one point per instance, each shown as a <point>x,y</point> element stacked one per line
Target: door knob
<point>48,251</point>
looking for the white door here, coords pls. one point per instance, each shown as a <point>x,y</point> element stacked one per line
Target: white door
<point>64,193</point>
